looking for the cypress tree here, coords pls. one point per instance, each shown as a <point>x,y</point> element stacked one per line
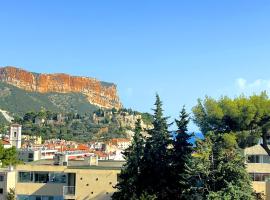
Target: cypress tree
<point>181,155</point>
<point>128,184</point>
<point>155,177</point>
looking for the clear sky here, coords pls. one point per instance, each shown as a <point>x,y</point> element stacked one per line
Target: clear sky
<point>181,49</point>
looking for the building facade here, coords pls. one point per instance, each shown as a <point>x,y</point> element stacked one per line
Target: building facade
<point>7,182</point>
<point>49,182</point>
<point>258,166</point>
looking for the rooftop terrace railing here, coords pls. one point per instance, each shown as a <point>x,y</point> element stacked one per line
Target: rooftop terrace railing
<point>69,191</point>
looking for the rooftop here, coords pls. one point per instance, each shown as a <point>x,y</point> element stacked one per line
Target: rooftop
<point>79,164</point>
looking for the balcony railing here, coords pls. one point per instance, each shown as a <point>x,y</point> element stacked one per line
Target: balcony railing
<point>69,191</point>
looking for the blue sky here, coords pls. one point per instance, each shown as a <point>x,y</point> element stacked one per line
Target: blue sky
<point>181,49</point>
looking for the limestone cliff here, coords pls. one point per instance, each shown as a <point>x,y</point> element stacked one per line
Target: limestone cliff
<point>97,92</point>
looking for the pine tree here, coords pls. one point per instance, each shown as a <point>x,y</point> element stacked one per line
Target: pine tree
<point>181,155</point>
<point>128,185</point>
<point>155,176</point>
<point>219,170</point>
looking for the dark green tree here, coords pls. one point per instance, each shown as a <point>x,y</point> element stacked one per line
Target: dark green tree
<point>10,157</point>
<point>181,156</point>
<point>127,187</point>
<point>155,172</point>
<point>218,170</point>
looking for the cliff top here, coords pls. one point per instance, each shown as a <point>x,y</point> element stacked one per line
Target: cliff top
<point>36,74</point>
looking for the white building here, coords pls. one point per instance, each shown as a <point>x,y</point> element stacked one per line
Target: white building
<point>15,135</point>
<point>29,155</point>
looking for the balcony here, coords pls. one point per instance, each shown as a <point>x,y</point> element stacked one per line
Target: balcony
<point>69,192</point>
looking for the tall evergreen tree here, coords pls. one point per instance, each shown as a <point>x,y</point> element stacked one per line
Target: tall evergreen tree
<point>128,185</point>
<point>181,156</point>
<point>155,177</point>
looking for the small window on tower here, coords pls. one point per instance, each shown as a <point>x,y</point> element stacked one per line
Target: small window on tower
<point>15,134</point>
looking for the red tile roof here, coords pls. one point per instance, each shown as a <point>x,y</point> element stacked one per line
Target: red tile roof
<point>5,142</point>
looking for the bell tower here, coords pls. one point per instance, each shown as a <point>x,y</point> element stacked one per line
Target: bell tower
<point>15,135</point>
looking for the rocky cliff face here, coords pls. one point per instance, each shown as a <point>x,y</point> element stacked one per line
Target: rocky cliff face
<point>98,93</point>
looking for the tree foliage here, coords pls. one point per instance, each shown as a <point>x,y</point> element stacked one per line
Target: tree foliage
<point>155,170</point>
<point>8,156</point>
<point>218,170</point>
<point>11,194</point>
<point>129,177</point>
<point>181,156</point>
<point>162,167</point>
<point>247,117</point>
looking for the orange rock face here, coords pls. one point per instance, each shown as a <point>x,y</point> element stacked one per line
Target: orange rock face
<point>97,93</point>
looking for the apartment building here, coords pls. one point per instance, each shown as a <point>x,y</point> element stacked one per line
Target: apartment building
<point>258,166</point>
<point>41,180</point>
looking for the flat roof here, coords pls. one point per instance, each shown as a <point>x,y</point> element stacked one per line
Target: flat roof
<point>79,164</point>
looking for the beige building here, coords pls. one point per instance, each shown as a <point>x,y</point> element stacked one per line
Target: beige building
<point>258,166</point>
<point>7,182</point>
<point>32,140</point>
<point>43,181</point>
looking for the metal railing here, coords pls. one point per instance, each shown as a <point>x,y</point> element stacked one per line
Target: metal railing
<point>69,191</point>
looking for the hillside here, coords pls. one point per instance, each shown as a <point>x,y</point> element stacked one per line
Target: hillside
<point>19,102</point>
<point>90,109</point>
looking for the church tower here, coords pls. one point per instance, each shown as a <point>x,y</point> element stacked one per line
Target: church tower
<point>15,135</point>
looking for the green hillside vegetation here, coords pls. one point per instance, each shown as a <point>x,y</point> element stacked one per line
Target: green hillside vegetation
<point>78,122</point>
<point>98,125</point>
<point>19,102</point>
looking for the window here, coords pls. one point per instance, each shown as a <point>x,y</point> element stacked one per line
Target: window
<point>57,178</point>
<point>1,178</point>
<point>1,190</point>
<point>25,177</point>
<point>15,134</point>
<point>32,197</point>
<point>30,157</point>
<point>266,159</point>
<point>254,159</point>
<point>41,177</point>
<point>259,159</point>
<point>260,177</point>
